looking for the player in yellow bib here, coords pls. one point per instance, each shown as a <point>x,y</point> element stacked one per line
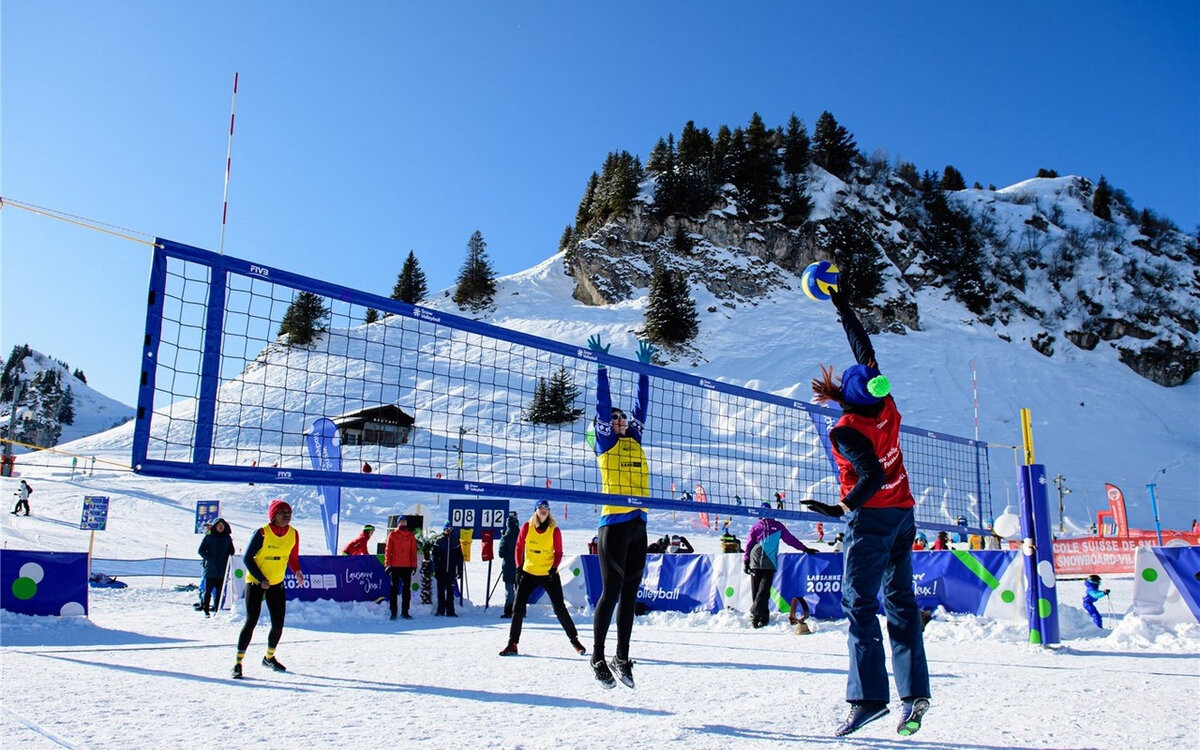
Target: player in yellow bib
<point>272,551</point>
<point>539,550</point>
<point>622,535</point>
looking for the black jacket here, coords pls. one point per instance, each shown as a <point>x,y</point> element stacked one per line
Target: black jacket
<point>447,556</point>
<point>215,550</point>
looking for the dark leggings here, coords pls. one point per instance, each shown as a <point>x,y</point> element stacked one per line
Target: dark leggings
<point>212,590</point>
<point>553,588</point>
<point>276,606</point>
<point>622,559</point>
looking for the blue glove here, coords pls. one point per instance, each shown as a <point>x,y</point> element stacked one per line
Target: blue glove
<point>595,345</point>
<point>645,352</point>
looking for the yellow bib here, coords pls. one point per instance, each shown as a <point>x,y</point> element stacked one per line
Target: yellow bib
<point>273,558</point>
<point>623,471</point>
<point>539,551</point>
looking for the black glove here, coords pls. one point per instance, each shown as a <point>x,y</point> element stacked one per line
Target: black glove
<point>833,511</point>
<point>1107,590</point>
<point>809,551</point>
<point>746,568</point>
<point>841,296</point>
<point>387,569</point>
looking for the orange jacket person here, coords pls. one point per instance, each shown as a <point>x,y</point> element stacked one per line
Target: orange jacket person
<point>273,550</point>
<point>400,560</point>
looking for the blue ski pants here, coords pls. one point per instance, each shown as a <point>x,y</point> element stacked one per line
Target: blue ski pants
<point>878,552</point>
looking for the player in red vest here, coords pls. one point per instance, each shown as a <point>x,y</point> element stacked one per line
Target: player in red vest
<point>880,530</point>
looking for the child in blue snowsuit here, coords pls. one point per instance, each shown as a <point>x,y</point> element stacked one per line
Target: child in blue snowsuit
<point>1091,593</point>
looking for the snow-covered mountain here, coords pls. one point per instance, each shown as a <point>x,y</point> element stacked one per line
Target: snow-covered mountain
<point>1031,261</point>
<point>56,405</point>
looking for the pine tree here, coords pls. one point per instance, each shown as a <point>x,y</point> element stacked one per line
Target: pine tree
<point>79,374</point>
<point>668,188</point>
<point>12,370</point>
<point>554,400</point>
<point>567,239</point>
<point>476,281</point>
<point>1102,200</point>
<point>304,319</point>
<point>670,316</point>
<point>66,410</point>
<point>1043,172</point>
<point>372,316</point>
<point>758,178</point>
<point>833,148</point>
<point>410,284</point>
<point>695,166</point>
<point>794,200</point>
<point>952,179</point>
<point>587,205</point>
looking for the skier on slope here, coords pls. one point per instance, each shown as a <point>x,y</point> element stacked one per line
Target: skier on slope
<point>1091,594</point>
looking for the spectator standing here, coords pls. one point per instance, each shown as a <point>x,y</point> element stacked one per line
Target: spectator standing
<point>508,561</point>
<point>215,550</point>
<point>400,560</point>
<point>447,569</point>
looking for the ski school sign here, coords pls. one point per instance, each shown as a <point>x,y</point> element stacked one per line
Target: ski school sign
<point>1087,555</point>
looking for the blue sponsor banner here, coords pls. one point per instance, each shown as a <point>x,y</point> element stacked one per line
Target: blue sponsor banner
<point>677,583</point>
<point>959,581</point>
<point>1183,567</point>
<point>206,513</point>
<point>43,583</point>
<point>325,451</point>
<point>817,579</point>
<point>341,578</point>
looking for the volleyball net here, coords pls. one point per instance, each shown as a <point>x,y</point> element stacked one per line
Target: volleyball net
<point>423,401</point>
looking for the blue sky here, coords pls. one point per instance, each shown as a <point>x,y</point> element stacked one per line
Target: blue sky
<point>366,130</point>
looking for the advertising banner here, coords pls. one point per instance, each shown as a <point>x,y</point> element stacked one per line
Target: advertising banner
<point>44,583</point>
<point>1166,586</point>
<point>325,451</point>
<point>972,582</point>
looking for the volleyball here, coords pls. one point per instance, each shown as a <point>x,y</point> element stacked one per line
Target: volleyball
<point>819,279</point>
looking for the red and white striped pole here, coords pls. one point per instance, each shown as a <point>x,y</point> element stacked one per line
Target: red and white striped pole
<point>228,164</point>
<point>975,398</point>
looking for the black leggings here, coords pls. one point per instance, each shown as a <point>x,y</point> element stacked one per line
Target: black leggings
<point>553,587</point>
<point>276,606</point>
<point>212,591</point>
<point>622,560</point>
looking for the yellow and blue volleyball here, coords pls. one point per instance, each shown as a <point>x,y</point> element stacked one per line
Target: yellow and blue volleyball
<point>819,279</point>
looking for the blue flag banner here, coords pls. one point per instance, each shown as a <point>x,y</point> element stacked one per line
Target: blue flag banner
<point>44,583</point>
<point>325,450</point>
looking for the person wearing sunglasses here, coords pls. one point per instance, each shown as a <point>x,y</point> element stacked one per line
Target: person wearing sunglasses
<point>622,534</point>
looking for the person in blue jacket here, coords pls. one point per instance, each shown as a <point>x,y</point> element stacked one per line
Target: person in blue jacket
<point>1091,594</point>
<point>760,561</point>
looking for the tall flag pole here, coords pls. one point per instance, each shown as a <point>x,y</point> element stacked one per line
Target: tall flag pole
<point>228,164</point>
